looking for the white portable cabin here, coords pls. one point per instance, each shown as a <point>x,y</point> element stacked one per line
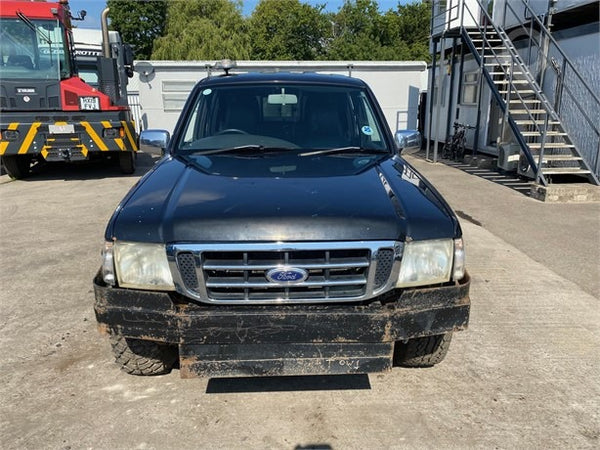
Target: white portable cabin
<point>165,85</point>
<point>457,90</point>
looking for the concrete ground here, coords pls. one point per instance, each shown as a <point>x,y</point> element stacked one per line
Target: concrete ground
<point>524,375</point>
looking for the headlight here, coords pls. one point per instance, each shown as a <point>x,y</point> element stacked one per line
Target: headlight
<point>138,265</point>
<point>426,262</point>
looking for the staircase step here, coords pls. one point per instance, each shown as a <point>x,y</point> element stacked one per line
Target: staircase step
<point>530,111</point>
<point>550,145</point>
<point>562,158</point>
<point>505,73</point>
<point>478,33</point>
<point>530,100</point>
<point>548,133</point>
<point>538,122</point>
<point>478,42</point>
<point>513,81</point>
<point>565,171</point>
<point>521,91</point>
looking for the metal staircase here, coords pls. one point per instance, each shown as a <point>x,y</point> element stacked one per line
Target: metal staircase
<point>548,152</point>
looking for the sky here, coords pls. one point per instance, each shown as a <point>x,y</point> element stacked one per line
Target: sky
<point>94,8</point>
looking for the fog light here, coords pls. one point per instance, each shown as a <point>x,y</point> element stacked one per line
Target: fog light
<point>113,133</point>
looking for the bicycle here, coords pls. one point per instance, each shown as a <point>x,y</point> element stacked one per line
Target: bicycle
<point>454,148</point>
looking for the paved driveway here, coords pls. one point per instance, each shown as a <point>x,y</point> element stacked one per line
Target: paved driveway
<point>524,375</point>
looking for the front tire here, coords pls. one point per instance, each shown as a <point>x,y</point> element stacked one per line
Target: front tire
<point>17,166</point>
<point>127,162</point>
<point>140,357</point>
<point>422,352</point>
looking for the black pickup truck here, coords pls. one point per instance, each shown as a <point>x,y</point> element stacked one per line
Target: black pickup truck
<point>282,233</point>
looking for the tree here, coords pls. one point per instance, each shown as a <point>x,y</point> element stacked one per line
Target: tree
<point>357,29</point>
<point>203,29</point>
<point>288,30</point>
<point>362,33</point>
<point>410,25</point>
<point>139,22</point>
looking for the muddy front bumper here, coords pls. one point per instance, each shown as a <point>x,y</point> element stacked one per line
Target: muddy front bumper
<point>226,341</point>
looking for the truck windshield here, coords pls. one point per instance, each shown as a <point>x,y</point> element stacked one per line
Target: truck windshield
<point>32,49</point>
<point>295,117</point>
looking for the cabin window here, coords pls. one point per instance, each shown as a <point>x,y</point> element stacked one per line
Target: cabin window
<point>470,88</point>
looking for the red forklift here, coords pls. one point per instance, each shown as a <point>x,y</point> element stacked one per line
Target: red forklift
<point>47,112</point>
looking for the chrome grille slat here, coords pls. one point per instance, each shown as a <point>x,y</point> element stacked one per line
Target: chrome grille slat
<point>363,262</point>
<point>236,273</point>
<point>317,281</point>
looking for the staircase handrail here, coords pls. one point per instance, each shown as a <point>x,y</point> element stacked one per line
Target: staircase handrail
<point>584,91</point>
<point>516,57</point>
<point>547,33</point>
<point>535,166</point>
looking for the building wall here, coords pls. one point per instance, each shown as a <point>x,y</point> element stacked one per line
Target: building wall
<point>540,7</point>
<point>164,86</point>
<point>465,113</point>
<point>448,14</point>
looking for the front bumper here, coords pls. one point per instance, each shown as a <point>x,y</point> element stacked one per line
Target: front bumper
<point>224,341</point>
<point>62,136</point>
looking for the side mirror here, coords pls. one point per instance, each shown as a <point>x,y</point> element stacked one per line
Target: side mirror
<point>408,140</point>
<point>151,141</point>
<point>128,59</point>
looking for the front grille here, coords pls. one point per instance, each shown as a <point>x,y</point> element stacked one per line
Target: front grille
<point>385,261</point>
<point>237,274</point>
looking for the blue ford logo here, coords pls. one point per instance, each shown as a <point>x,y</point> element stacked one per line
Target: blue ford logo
<point>287,275</point>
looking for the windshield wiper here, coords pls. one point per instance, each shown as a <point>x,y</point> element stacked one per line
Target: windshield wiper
<point>258,149</point>
<point>23,18</point>
<point>330,151</point>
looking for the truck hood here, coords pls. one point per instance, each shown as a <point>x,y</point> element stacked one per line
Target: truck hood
<point>179,202</point>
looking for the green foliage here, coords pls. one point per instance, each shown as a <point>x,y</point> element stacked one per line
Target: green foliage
<point>357,29</point>
<point>287,30</point>
<point>203,29</point>
<point>277,30</point>
<point>411,25</point>
<point>362,33</point>
<point>139,22</point>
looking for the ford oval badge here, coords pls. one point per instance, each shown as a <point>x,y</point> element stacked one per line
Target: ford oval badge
<point>287,275</point>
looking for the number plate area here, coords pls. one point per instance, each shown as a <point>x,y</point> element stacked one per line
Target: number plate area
<point>61,129</point>
<point>89,103</point>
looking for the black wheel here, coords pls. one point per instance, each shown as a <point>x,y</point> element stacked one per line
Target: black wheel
<point>460,150</point>
<point>446,151</point>
<point>140,357</point>
<point>127,162</point>
<point>422,352</point>
<point>17,166</point>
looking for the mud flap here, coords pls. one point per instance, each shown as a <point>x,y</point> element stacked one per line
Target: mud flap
<point>244,360</point>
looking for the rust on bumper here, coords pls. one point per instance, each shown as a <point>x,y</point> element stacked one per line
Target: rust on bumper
<point>283,339</point>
